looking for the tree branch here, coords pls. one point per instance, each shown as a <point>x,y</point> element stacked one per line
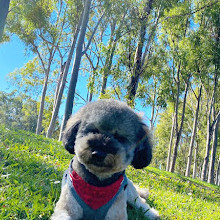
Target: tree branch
<point>92,35</point>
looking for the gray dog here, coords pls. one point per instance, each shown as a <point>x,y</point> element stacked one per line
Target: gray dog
<point>106,136</point>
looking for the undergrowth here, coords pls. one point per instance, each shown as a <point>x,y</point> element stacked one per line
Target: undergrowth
<point>31,169</point>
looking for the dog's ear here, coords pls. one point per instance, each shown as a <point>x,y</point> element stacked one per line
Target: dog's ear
<point>143,151</point>
<point>69,135</point>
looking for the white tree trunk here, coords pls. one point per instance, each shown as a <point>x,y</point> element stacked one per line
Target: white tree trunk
<point>76,65</point>
<point>193,135</point>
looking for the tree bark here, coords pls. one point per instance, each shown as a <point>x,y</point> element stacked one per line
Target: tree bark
<point>213,152</point>
<point>4,6</point>
<point>47,72</point>
<point>175,119</point>
<point>137,68</point>
<point>63,82</point>
<point>195,161</point>
<point>179,132</point>
<point>210,128</point>
<point>193,134</point>
<point>42,102</point>
<point>75,71</point>
<point>217,180</point>
<point>170,144</point>
<point>109,58</point>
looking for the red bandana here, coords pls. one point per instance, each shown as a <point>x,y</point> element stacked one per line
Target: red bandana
<point>94,196</point>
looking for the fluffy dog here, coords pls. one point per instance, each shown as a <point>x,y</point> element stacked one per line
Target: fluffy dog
<point>106,136</point>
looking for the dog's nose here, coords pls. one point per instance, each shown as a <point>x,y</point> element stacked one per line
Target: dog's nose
<point>99,155</point>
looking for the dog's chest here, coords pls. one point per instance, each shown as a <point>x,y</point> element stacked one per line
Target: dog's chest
<point>95,197</point>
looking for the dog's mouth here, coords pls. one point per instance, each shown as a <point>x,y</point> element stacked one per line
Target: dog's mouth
<point>100,159</point>
<point>99,164</point>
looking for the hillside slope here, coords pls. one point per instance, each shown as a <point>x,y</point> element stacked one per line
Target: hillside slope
<point>31,169</point>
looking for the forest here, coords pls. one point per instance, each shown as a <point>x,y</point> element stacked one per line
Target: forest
<point>160,57</point>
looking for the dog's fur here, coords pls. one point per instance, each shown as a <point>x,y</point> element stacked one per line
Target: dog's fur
<point>121,138</point>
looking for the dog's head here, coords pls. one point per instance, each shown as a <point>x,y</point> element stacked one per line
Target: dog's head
<point>107,136</point>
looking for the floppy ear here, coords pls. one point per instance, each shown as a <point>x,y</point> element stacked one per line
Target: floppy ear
<point>143,152</point>
<point>69,135</point>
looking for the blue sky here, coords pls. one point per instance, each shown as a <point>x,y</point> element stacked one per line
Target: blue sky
<point>12,56</point>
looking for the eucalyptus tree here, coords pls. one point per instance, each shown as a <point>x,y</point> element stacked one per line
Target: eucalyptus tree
<point>63,77</point>
<point>139,58</point>
<point>210,25</point>
<point>18,111</point>
<point>4,6</point>
<point>175,31</point>
<point>80,51</point>
<point>40,25</point>
<point>102,56</point>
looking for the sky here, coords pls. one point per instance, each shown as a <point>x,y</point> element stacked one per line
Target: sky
<point>12,56</point>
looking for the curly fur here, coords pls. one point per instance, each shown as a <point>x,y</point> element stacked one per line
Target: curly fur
<point>106,136</point>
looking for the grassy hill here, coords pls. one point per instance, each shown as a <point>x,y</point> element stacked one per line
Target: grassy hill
<point>31,169</point>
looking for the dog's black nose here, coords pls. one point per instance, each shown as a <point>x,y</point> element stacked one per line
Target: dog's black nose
<point>98,155</point>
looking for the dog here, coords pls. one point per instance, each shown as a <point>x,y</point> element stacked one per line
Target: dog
<point>106,136</point>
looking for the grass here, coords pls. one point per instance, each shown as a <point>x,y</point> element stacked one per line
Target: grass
<point>31,169</point>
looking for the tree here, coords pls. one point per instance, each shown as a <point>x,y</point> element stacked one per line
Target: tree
<point>139,59</point>
<point>4,5</point>
<point>62,81</point>
<point>193,133</point>
<point>213,152</point>
<point>18,111</point>
<point>76,65</point>
<point>31,22</point>
<point>214,39</point>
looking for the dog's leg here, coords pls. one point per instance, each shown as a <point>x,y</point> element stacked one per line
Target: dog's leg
<point>136,201</point>
<point>60,214</point>
<point>118,210</point>
<point>67,207</point>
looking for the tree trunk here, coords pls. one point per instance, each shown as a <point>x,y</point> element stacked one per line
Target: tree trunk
<point>40,115</point>
<point>195,160</point>
<point>63,82</point>
<point>193,134</point>
<point>175,120</point>
<point>137,68</point>
<point>209,131</point>
<point>75,71</point>
<point>179,132</point>
<point>107,68</point>
<point>4,6</point>
<point>60,78</point>
<point>217,180</point>
<point>212,107</point>
<point>170,144</point>
<point>213,153</point>
<point>109,58</point>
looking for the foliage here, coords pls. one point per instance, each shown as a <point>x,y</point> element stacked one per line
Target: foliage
<point>32,168</point>
<point>18,111</point>
<point>154,47</point>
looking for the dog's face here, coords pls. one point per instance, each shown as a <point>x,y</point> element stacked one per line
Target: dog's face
<point>106,137</point>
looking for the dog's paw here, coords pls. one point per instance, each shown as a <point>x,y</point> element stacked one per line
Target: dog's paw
<point>152,214</point>
<point>143,193</point>
<point>62,215</point>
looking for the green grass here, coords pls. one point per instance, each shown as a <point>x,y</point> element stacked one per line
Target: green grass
<point>31,167</point>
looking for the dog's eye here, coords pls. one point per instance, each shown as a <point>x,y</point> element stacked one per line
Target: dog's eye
<point>94,131</point>
<point>120,138</point>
